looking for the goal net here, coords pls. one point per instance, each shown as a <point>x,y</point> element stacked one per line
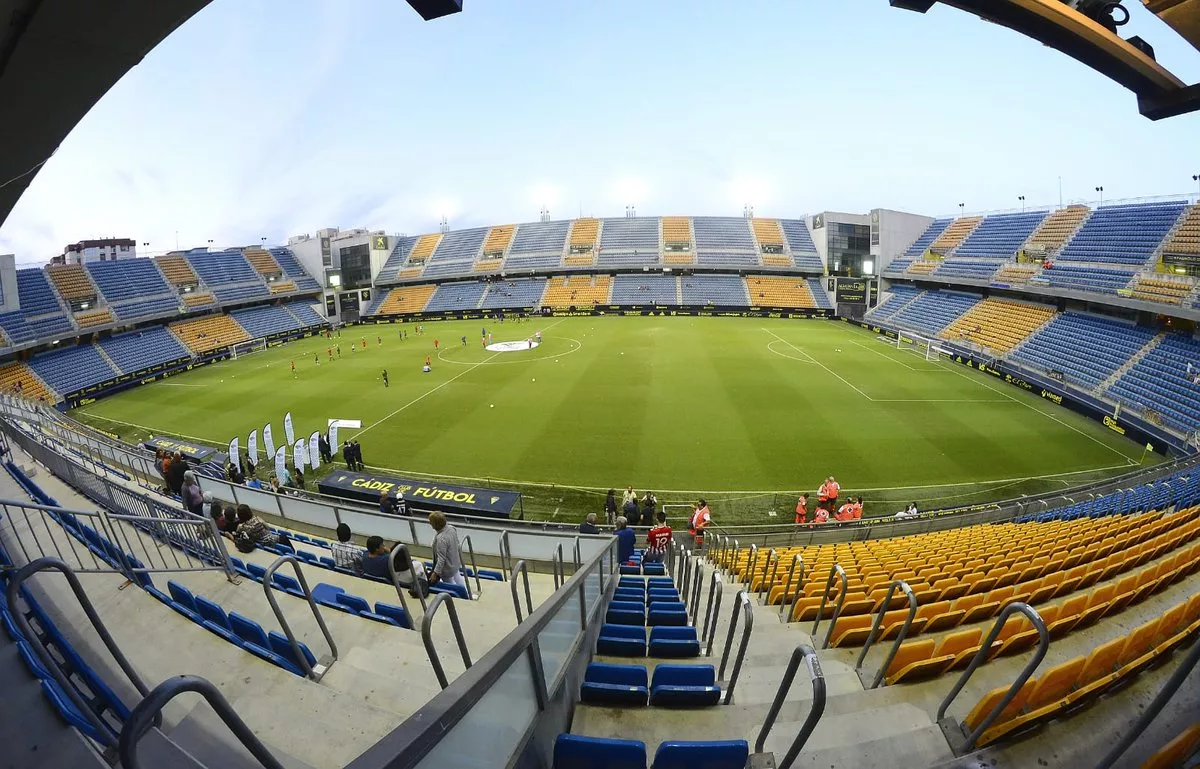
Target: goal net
<point>245,348</point>
<point>926,347</point>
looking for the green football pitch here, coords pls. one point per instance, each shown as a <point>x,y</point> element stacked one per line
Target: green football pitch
<point>742,411</point>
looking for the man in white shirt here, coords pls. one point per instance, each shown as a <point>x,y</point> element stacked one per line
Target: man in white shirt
<point>346,554</point>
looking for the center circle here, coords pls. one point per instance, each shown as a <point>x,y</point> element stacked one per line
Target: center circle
<point>518,346</point>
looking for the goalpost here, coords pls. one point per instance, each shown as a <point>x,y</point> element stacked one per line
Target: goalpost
<point>245,348</point>
<point>927,347</point>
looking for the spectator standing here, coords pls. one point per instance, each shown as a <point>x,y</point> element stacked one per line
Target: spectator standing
<point>348,454</point>
<point>589,525</point>
<point>701,520</point>
<point>629,508</point>
<point>610,507</point>
<point>802,509</point>
<point>625,540</point>
<point>193,499</point>
<point>346,554</point>
<point>657,541</point>
<point>447,560</point>
<point>629,494</point>
<point>649,507</point>
<point>175,471</point>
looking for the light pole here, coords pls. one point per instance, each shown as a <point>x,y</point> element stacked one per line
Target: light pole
<point>961,206</point>
<point>1022,199</point>
<point>1100,189</point>
<point>1196,179</point>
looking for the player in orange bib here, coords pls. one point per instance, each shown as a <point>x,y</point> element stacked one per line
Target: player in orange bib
<point>802,509</point>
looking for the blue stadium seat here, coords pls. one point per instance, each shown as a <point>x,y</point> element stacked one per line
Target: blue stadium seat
<point>70,369</point>
<point>654,568</point>
<point>521,293</point>
<point>663,594</point>
<point>1000,235</point>
<point>717,290</point>
<point>625,613</point>
<point>458,591</point>
<point>622,641</point>
<point>395,614</point>
<point>353,602</point>
<point>667,613</point>
<point>572,751</point>
<point>456,296</point>
<point>143,349</point>
<point>607,684</point>
<point>921,244</point>
<point>287,584</point>
<point>684,686</point>
<point>725,754</point>
<point>799,240</point>
<point>631,583</point>
<point>629,594</point>
<point>183,600</point>
<point>1126,234</point>
<point>213,617</point>
<point>644,289</point>
<point>279,644</point>
<point>674,642</point>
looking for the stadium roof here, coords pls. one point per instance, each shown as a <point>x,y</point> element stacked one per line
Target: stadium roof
<point>57,58</point>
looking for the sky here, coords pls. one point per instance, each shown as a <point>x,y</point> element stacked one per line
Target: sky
<point>270,118</point>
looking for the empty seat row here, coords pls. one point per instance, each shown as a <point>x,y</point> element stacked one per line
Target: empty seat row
<point>632,686</point>
<point>573,751</point>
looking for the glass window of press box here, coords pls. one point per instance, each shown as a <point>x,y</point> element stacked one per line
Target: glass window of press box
<point>356,266</point>
<point>849,246</point>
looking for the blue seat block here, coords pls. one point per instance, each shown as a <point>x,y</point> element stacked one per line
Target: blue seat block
<point>628,569</point>
<point>684,686</point>
<point>654,568</point>
<point>326,593</point>
<point>659,595</point>
<point>622,640</point>
<point>279,645</point>
<point>181,595</point>
<point>287,584</point>
<point>607,684</point>
<point>661,582</point>
<point>670,614</point>
<point>394,613</point>
<point>327,562</point>
<point>625,613</point>
<point>572,751</point>
<point>629,594</point>
<point>632,583</point>
<point>353,602</point>
<point>256,572</point>
<point>458,591</point>
<point>669,641</point>
<point>724,754</point>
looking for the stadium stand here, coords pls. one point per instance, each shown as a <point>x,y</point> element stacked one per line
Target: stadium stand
<point>582,244</point>
<point>1123,234</point>
<point>1185,239</point>
<point>934,310</point>
<point>820,295</point>
<point>1096,279</point>
<point>525,292</point>
<point>140,350</point>
<point>767,232</point>
<point>538,246</point>
<point>931,233</point>
<point>266,321</point>
<point>72,281</point>
<point>923,266</point>
<point>455,253</point>
<point>1014,274</point>
<point>1056,229</point>
<point>770,291</point>
<point>720,290</point>
<point>1000,235</point>
<point>396,260</point>
<point>262,261</point>
<point>177,270</point>
<point>644,289</point>
<point>972,269</point>
<point>306,314</point>
<point>134,288</point>
<point>677,240</point>
<point>93,318</point>
<point>222,268</point>
<point>1162,288</point>
<point>20,378</point>
<point>898,296</point>
<point>1160,379</point>
<point>404,300</point>
<point>627,242</point>
<point>72,368</point>
<point>951,237</point>
<point>41,316</point>
<point>724,241</point>
<point>578,291</point>
<point>198,300</point>
<point>465,295</point>
<point>282,286</point>
<point>497,241</point>
<point>212,332</point>
<point>291,269</point>
<point>998,323</point>
<point>1085,349</point>
<point>424,248</point>
<point>799,240</point>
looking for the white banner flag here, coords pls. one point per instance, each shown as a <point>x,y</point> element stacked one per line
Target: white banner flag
<point>280,463</point>
<point>334,446</point>
<point>300,455</point>
<point>268,441</point>
<point>252,448</point>
<point>287,428</point>
<point>314,450</point>
<point>233,452</point>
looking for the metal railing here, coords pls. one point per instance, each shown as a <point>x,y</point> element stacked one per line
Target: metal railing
<point>712,611</point>
<point>474,566</point>
<point>835,570</point>
<point>788,599</point>
<point>984,651</point>
<point>15,580</point>
<point>697,584</point>
<point>435,660</point>
<point>751,567</point>
<point>557,568</point>
<point>148,713</point>
<point>766,583</point>
<point>416,587</point>
<point>817,677</point>
<point>741,605</point>
<point>1173,684</point>
<point>520,567</point>
<point>883,610</point>
<point>313,672</point>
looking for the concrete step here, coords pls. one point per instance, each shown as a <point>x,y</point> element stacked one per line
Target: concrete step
<point>758,685</point>
<point>844,730</point>
<point>913,748</point>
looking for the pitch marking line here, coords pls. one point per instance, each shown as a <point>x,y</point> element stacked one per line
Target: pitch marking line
<point>578,346</point>
<point>895,360</point>
<point>422,397</point>
<point>771,348</point>
<point>819,363</point>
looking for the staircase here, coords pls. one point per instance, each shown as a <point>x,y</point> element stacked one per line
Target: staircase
<point>111,362</point>
<point>678,290</point>
<point>1142,353</point>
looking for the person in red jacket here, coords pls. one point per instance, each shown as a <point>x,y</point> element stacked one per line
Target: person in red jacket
<point>834,489</point>
<point>802,509</point>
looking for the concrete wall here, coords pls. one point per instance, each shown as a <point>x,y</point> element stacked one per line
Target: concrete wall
<point>897,231</point>
<point>9,301</point>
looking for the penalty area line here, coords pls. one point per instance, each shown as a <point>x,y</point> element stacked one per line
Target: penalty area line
<point>819,363</point>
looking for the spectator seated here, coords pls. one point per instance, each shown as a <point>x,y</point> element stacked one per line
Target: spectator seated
<point>1086,349</point>
<point>644,289</point>
<point>932,311</point>
<point>1000,236</point>
<point>606,684</point>
<point>456,296</point>
<point>514,293</point>
<point>19,378</point>
<point>70,369</point>
<point>684,686</point>
<point>718,290</point>
<point>1123,234</point>
<point>140,350</point>
<point>931,233</point>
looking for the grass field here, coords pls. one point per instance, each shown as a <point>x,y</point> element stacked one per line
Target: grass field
<point>745,411</point>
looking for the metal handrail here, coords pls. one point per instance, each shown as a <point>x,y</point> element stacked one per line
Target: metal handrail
<point>697,586</point>
<point>312,604</point>
<point>751,566</point>
<point>148,713</point>
<point>713,610</point>
<point>520,566</point>
<point>685,572</point>
<point>435,661</point>
<point>984,651</point>
<point>412,566</point>
<point>817,677</point>
<point>1155,707</point>
<point>883,609</point>
<point>578,553</point>
<point>15,580</point>
<point>505,549</point>
<point>788,599</point>
<point>474,566</point>
<point>741,605</point>
<point>765,584</point>
<point>835,570</point>
<point>557,568</point>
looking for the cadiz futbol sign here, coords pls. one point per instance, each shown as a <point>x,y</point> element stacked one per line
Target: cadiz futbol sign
<point>425,495</point>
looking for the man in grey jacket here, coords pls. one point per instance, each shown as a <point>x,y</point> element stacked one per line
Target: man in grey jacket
<point>447,560</point>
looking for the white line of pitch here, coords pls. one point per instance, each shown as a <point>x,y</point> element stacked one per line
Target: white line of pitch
<point>422,397</point>
<point>819,363</point>
<point>894,360</point>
